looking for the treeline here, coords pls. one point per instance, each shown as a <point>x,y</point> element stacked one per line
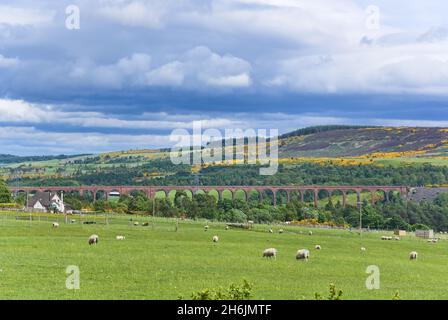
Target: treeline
<point>317,129</point>
<point>163,172</point>
<point>5,194</point>
<point>8,159</point>
<point>396,214</point>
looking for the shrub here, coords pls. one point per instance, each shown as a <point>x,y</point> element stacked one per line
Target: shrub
<point>234,292</point>
<point>333,295</point>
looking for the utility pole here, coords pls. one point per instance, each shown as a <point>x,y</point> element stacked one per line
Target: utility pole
<point>153,210</point>
<point>360,203</point>
<point>197,180</point>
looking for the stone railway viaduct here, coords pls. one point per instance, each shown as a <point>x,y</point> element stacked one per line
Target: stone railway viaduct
<point>151,191</point>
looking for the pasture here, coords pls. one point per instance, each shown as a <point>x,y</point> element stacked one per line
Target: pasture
<point>158,262</point>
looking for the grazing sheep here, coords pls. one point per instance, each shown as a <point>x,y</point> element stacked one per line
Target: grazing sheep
<point>227,228</point>
<point>288,223</point>
<point>310,233</point>
<point>55,225</point>
<point>413,255</point>
<point>435,240</point>
<point>206,228</point>
<point>250,222</point>
<point>280,231</point>
<point>136,223</point>
<point>269,253</point>
<point>120,237</point>
<point>271,231</point>
<point>145,224</point>
<point>215,238</point>
<point>93,239</point>
<point>363,249</point>
<point>303,254</point>
<point>73,221</point>
<point>318,247</point>
<point>397,238</point>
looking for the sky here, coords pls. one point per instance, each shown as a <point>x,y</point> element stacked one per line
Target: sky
<point>133,71</point>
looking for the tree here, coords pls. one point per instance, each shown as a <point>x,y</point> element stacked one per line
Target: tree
<point>5,194</point>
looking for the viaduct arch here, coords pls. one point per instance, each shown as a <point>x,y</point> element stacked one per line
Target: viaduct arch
<point>300,190</point>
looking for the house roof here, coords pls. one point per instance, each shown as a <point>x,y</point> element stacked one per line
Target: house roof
<point>44,198</point>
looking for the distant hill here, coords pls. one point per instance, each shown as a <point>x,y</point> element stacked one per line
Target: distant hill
<point>315,155</point>
<point>9,159</point>
<point>331,141</point>
<point>345,141</point>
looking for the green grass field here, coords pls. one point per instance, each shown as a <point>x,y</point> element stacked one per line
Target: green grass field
<point>156,262</point>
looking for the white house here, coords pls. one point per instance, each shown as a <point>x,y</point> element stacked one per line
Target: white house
<point>47,202</point>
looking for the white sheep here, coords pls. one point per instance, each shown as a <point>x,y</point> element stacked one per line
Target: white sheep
<point>363,249</point>
<point>397,238</point>
<point>413,255</point>
<point>215,238</point>
<point>280,231</point>
<point>303,254</point>
<point>136,223</point>
<point>250,222</point>
<point>271,231</point>
<point>120,237</point>
<point>270,253</point>
<point>227,227</point>
<point>55,225</point>
<point>310,233</point>
<point>318,247</point>
<point>206,228</point>
<point>93,239</point>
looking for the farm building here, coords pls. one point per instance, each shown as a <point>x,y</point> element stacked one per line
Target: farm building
<point>400,233</point>
<point>47,202</point>
<point>425,234</point>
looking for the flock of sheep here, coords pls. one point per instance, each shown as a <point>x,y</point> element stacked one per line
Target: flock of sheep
<point>412,255</point>
<point>390,238</point>
<point>94,238</point>
<point>302,254</point>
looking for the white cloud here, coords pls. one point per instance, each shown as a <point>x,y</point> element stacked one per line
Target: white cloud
<point>37,142</point>
<point>170,74</point>
<point>196,68</point>
<point>201,66</point>
<point>409,68</point>
<point>240,80</point>
<point>128,71</point>
<point>18,16</point>
<point>134,13</point>
<point>18,111</point>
